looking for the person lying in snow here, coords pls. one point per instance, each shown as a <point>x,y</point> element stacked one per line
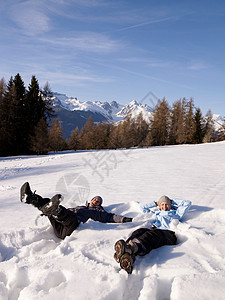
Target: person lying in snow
<point>63,220</point>
<point>143,240</point>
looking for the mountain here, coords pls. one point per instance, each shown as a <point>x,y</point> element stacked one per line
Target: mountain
<point>218,121</point>
<point>74,113</point>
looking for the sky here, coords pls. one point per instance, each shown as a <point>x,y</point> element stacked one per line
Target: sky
<point>102,50</point>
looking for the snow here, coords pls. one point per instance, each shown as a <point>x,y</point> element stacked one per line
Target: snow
<point>37,265</point>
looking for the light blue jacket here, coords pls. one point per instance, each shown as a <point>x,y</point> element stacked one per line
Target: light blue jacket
<point>163,218</point>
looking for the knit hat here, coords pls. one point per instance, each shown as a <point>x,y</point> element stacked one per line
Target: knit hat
<point>99,198</point>
<point>164,199</point>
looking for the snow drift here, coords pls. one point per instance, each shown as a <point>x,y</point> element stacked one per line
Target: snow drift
<point>34,264</point>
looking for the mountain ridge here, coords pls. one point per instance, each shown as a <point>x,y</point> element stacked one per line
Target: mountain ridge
<point>74,113</point>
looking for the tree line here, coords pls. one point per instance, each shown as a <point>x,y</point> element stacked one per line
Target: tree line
<point>28,124</point>
<point>180,124</point>
<point>21,110</point>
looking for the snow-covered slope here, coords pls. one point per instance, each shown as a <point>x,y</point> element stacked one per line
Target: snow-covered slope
<point>37,265</point>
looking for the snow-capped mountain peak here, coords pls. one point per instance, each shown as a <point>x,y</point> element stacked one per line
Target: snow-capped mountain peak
<point>134,109</point>
<point>112,111</point>
<point>73,112</point>
<point>217,120</point>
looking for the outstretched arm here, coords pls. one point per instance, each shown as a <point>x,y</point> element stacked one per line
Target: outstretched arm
<point>106,217</point>
<point>183,207</point>
<point>100,216</point>
<point>146,207</point>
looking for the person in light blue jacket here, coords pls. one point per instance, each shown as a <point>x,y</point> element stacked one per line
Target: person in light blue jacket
<point>168,210</point>
<point>143,240</point>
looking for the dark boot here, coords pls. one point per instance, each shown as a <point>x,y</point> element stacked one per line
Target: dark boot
<point>27,196</point>
<point>52,208</point>
<point>46,205</point>
<point>25,192</point>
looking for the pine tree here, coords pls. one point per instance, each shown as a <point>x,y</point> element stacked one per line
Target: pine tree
<point>8,130</point>
<point>2,88</point>
<point>20,112</point>
<point>2,93</point>
<point>181,125</point>
<point>74,141</point>
<point>148,141</point>
<point>102,133</point>
<point>56,140</point>
<point>48,101</point>
<point>19,120</point>
<point>3,114</point>
<point>40,140</point>
<point>176,122</point>
<point>189,122</point>
<point>115,137</point>
<point>209,130</point>
<point>160,124</point>
<point>35,106</point>
<point>87,135</point>
<point>142,128</point>
<point>128,134</point>
<point>124,134</point>
<point>198,127</point>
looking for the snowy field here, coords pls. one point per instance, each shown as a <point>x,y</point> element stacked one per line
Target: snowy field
<point>34,264</point>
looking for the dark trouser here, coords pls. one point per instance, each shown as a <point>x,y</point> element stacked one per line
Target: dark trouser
<point>65,223</point>
<point>152,238</point>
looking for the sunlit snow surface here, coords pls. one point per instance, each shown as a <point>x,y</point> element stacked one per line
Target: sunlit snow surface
<point>34,264</point>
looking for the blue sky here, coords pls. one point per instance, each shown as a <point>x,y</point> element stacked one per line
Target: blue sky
<point>118,50</point>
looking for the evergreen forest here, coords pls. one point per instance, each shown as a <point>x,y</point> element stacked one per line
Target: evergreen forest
<point>29,125</point>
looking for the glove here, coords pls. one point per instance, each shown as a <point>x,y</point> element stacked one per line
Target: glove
<point>125,220</point>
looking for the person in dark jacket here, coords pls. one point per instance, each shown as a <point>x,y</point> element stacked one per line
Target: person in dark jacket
<point>66,220</point>
<point>143,240</point>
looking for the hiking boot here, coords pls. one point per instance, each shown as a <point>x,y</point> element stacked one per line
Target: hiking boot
<point>126,262</point>
<point>46,205</point>
<point>52,208</point>
<point>122,247</point>
<point>117,257</point>
<point>27,196</point>
<point>25,192</point>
